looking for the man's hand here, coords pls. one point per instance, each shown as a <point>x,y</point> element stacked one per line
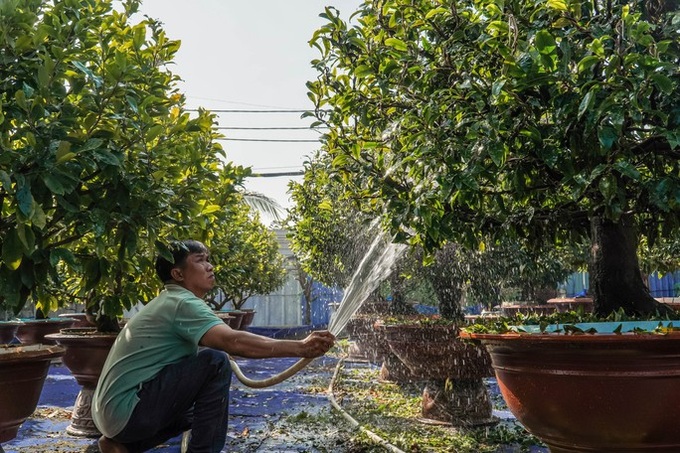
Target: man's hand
<point>317,344</point>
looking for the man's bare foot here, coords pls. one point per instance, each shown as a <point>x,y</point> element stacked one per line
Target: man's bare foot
<point>107,445</point>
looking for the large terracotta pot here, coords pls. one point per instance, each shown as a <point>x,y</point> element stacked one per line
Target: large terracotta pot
<point>86,352</point>
<point>7,331</point>
<point>80,319</point>
<point>231,318</point>
<point>33,331</point>
<point>23,370</point>
<point>564,304</point>
<point>363,338</point>
<point>392,368</point>
<point>526,309</point>
<point>455,392</point>
<point>600,392</point>
<point>248,318</point>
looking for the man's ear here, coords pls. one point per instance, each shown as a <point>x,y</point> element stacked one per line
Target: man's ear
<point>176,274</point>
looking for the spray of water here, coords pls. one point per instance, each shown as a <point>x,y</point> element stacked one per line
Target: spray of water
<point>373,269</point>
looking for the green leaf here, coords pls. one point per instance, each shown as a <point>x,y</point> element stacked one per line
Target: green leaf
<point>607,136</point>
<point>26,236</point>
<point>53,183</point>
<point>627,169</point>
<point>12,250</point>
<point>597,47</point>
<point>62,254</point>
<point>664,83</point>
<point>397,44</point>
<point>107,157</point>
<point>154,131</point>
<point>433,12</point>
<point>64,152</point>
<point>25,200</point>
<point>545,43</point>
<point>497,87</point>
<point>608,187</point>
<point>362,71</point>
<point>28,90</point>
<point>91,144</point>
<point>585,104</point>
<point>39,219</point>
<point>5,180</point>
<point>559,5</point>
<point>587,62</point>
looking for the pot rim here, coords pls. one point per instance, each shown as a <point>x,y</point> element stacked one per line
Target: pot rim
<point>627,337</point>
<point>586,329</point>
<point>46,320</point>
<point>18,352</point>
<point>80,333</point>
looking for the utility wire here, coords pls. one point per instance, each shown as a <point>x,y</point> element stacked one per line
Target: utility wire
<point>256,110</point>
<point>288,167</point>
<point>241,128</point>
<point>268,140</point>
<point>276,175</point>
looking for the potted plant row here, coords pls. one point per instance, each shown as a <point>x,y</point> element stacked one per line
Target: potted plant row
<point>96,179</point>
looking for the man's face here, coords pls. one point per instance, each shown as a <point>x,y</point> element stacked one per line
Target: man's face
<point>196,274</point>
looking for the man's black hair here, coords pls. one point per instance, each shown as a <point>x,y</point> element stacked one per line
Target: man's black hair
<point>180,250</point>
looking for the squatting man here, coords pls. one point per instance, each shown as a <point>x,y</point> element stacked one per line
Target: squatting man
<point>157,382</point>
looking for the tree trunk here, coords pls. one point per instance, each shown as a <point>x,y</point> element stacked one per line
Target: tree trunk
<point>449,297</point>
<point>616,279</point>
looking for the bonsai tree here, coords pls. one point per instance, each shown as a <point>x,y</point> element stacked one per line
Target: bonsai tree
<point>246,257</point>
<point>99,159</point>
<point>329,235</point>
<point>330,232</point>
<point>536,122</point>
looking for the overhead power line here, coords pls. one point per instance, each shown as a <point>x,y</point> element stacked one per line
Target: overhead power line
<point>287,128</point>
<point>273,140</point>
<point>258,110</point>
<point>274,175</point>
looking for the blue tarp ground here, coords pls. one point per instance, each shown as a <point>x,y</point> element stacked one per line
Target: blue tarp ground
<point>251,411</point>
<point>256,416</point>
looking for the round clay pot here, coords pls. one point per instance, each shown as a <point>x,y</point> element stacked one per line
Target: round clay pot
<point>33,331</point>
<point>231,318</point>
<point>602,392</point>
<point>564,304</point>
<point>436,352</point>
<point>248,318</point>
<point>23,370</point>
<point>80,319</point>
<point>7,331</point>
<point>363,338</point>
<point>526,309</point>
<point>453,371</point>
<point>86,352</point>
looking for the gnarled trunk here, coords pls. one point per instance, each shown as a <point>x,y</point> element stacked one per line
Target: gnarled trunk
<point>615,277</point>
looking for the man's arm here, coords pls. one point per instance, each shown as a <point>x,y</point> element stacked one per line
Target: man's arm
<point>246,344</point>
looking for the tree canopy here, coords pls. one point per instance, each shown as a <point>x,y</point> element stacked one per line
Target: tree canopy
<point>505,116</point>
<point>100,162</point>
<point>517,119</point>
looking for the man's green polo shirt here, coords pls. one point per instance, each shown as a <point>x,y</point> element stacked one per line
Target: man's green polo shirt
<point>164,332</point>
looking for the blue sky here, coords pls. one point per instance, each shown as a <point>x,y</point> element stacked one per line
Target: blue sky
<point>252,56</point>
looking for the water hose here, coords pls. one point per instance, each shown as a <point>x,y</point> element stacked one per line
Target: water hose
<point>351,420</point>
<point>273,380</point>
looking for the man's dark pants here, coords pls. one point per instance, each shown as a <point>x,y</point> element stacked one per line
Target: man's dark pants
<point>192,394</point>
